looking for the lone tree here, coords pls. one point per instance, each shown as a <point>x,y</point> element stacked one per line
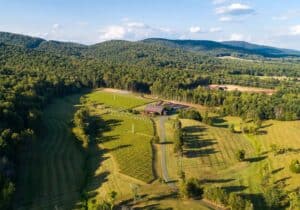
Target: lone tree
<point>112,197</point>
<point>240,155</point>
<point>295,166</point>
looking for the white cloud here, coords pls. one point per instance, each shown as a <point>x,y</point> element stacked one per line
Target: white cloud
<point>55,26</point>
<point>218,1</point>
<point>195,29</point>
<point>236,37</point>
<point>113,32</point>
<point>235,9</point>
<point>215,29</point>
<point>225,19</point>
<point>130,30</point>
<point>295,30</point>
<point>135,24</point>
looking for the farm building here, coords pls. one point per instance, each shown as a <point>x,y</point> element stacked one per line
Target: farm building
<point>156,109</point>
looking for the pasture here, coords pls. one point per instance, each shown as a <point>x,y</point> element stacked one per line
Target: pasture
<point>116,100</point>
<point>209,154</point>
<point>52,166</point>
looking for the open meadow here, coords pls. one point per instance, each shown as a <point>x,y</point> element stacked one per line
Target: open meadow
<point>210,155</point>
<point>52,165</point>
<point>116,99</point>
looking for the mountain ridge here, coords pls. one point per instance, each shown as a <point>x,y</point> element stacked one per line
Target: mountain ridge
<point>207,47</point>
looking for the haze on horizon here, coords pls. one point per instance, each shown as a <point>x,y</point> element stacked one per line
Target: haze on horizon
<point>274,23</point>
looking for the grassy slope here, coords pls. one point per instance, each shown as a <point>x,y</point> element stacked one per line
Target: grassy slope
<point>52,167</point>
<point>131,150</point>
<point>117,100</point>
<point>210,155</point>
<point>127,136</point>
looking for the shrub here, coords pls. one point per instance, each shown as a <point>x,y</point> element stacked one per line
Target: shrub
<point>231,128</point>
<point>155,140</point>
<point>217,195</point>
<point>234,201</point>
<point>240,155</point>
<point>191,188</point>
<point>190,114</point>
<point>273,196</point>
<point>295,166</point>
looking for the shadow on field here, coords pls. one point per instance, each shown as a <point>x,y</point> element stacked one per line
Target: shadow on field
<point>275,171</point>
<point>215,181</point>
<point>256,159</point>
<point>94,158</point>
<point>108,126</point>
<point>232,189</point>
<point>257,200</point>
<point>194,146</point>
<point>219,122</point>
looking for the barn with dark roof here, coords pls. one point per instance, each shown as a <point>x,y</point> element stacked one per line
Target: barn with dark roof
<point>156,109</point>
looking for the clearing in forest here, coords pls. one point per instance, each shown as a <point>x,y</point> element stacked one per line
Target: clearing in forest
<point>52,166</point>
<point>116,100</point>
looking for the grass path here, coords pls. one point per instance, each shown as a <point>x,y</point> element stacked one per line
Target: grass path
<point>51,167</point>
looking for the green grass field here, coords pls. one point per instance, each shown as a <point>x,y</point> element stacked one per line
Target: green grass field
<point>210,155</point>
<point>52,167</point>
<point>116,100</point>
<point>128,141</point>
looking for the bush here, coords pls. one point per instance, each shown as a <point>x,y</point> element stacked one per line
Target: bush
<point>190,114</point>
<point>231,128</point>
<point>240,155</point>
<point>273,197</point>
<point>155,140</point>
<point>217,195</point>
<point>191,188</point>
<point>234,201</point>
<point>295,166</point>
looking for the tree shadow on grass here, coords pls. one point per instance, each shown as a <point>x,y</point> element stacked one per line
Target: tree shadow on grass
<point>219,122</point>
<point>257,200</point>
<point>199,153</point>
<point>275,171</point>
<point>232,189</point>
<point>256,159</point>
<point>216,181</point>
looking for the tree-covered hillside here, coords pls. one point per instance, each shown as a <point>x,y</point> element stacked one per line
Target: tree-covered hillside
<point>34,71</point>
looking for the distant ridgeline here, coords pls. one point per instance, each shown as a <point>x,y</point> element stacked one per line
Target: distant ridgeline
<point>33,71</point>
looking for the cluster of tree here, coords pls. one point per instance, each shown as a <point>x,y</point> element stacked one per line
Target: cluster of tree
<point>190,114</point>
<point>191,188</point>
<point>283,105</point>
<point>222,197</point>
<point>177,136</point>
<point>86,126</point>
<point>23,95</point>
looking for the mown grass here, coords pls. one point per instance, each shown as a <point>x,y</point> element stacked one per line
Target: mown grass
<point>116,100</point>
<point>209,154</point>
<point>50,173</point>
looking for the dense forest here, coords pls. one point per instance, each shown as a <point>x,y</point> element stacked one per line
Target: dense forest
<point>33,71</point>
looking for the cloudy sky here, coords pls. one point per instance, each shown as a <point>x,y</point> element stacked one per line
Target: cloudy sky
<point>270,22</point>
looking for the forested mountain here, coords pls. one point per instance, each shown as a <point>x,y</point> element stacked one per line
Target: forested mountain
<point>228,48</point>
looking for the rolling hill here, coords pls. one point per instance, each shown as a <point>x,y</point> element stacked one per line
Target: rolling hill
<point>227,48</point>
<point>204,47</point>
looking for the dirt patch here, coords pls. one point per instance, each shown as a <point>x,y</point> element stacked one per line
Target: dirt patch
<point>112,90</point>
<point>242,89</point>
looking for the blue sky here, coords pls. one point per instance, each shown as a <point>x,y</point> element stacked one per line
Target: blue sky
<point>270,22</point>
